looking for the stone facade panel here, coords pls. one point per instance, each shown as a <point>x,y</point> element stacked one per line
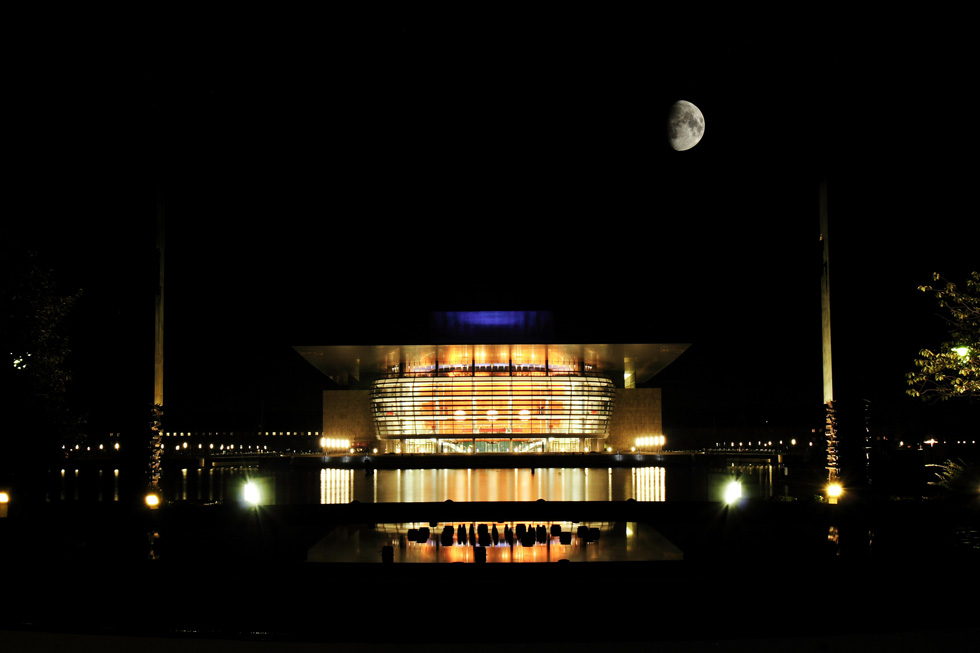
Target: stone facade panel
<point>638,413</point>
<point>347,415</point>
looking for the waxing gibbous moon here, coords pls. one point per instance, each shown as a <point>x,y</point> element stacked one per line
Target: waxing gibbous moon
<point>685,125</point>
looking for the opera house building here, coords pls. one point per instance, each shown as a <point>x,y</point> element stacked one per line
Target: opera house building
<point>470,391</point>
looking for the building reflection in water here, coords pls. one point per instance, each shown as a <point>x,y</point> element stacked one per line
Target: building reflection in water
<point>336,485</point>
<point>649,484</point>
<point>333,485</point>
<point>509,542</point>
<point>518,484</point>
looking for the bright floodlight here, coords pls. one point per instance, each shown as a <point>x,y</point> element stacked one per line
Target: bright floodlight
<point>152,499</point>
<point>733,492</point>
<point>834,490</point>
<point>962,352</point>
<point>251,493</point>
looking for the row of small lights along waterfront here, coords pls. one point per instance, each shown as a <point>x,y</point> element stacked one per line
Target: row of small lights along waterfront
<point>312,442</point>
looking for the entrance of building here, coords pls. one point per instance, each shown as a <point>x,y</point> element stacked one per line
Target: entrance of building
<point>495,445</point>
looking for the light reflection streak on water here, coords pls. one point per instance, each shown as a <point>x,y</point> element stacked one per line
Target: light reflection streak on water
<point>757,480</point>
<point>460,487</point>
<point>648,484</point>
<point>513,484</point>
<point>540,552</point>
<point>223,483</point>
<point>336,485</point>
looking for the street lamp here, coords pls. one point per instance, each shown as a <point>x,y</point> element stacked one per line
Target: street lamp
<point>152,500</point>
<point>834,491</point>
<point>251,493</point>
<point>733,492</point>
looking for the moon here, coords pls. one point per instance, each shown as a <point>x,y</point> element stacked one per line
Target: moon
<point>685,125</point>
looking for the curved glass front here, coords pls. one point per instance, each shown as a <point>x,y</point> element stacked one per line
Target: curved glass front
<point>492,407</point>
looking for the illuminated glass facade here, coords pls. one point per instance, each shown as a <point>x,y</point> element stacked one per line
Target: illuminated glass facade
<point>454,395</point>
<point>492,398</point>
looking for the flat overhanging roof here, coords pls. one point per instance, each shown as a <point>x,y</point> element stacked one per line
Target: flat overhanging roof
<point>368,362</point>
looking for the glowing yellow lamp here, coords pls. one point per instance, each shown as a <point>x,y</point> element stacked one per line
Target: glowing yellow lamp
<point>834,491</point>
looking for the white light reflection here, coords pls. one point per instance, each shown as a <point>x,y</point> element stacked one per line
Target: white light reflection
<point>648,483</point>
<point>733,492</point>
<point>515,484</point>
<point>337,486</point>
<point>251,493</point>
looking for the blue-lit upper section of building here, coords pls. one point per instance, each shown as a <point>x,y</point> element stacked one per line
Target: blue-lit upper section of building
<point>491,326</point>
<point>490,343</point>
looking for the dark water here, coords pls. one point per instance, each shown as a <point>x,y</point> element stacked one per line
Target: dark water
<point>335,486</point>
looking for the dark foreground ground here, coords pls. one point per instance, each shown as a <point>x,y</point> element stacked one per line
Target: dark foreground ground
<point>822,607</point>
<point>758,575</point>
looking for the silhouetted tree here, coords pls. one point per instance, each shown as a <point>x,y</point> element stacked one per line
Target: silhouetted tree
<point>953,370</point>
<point>35,375</point>
<point>957,478</point>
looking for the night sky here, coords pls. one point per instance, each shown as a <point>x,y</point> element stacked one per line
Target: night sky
<point>333,190</point>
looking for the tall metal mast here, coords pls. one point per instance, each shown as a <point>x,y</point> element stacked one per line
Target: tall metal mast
<point>830,429</point>
<point>156,442</point>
